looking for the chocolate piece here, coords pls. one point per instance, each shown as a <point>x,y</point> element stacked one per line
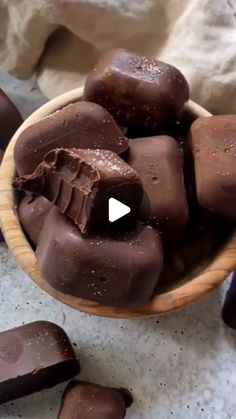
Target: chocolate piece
<point>138,90</point>
<point>92,401</point>
<point>80,182</point>
<point>33,357</point>
<point>213,144</point>
<point>158,162</point>
<point>80,125</point>
<point>118,271</point>
<point>1,157</point>
<point>10,119</point>
<point>229,307</point>
<point>32,213</point>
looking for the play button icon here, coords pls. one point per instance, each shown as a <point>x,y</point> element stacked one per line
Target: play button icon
<point>117,210</point>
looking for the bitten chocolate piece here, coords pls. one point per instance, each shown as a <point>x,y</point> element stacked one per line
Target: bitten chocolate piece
<point>158,162</point>
<point>229,307</point>
<point>138,90</point>
<point>80,182</point>
<point>92,401</point>
<point>10,119</point>
<point>32,212</point>
<point>213,144</point>
<point>80,125</point>
<point>33,357</point>
<point>118,271</point>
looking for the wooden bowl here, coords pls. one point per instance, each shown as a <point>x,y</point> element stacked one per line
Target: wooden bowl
<point>209,273</point>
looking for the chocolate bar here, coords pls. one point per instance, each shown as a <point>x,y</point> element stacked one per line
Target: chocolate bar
<point>119,271</point>
<point>212,141</point>
<point>81,182</point>
<point>80,125</point>
<point>34,357</point>
<point>137,90</point>
<point>92,401</point>
<point>158,162</point>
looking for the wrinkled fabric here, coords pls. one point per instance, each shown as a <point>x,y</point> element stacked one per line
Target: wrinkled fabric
<point>61,41</point>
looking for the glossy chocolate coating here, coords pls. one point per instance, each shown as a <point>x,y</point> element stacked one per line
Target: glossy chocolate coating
<point>92,401</point>
<point>1,157</point>
<point>138,90</point>
<point>229,307</point>
<point>212,141</point>
<point>158,162</point>
<point>80,182</point>
<point>117,271</point>
<point>80,125</point>
<point>32,212</point>
<point>10,119</point>
<point>33,357</point>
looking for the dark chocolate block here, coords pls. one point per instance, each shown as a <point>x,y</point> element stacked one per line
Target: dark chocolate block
<point>119,271</point>
<point>10,119</point>
<point>213,144</point>
<point>158,162</point>
<point>229,307</point>
<point>32,212</point>
<point>138,90</point>
<point>80,125</point>
<point>80,182</point>
<point>33,357</point>
<point>92,401</point>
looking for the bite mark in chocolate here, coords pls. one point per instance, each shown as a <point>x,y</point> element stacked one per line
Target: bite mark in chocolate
<point>80,182</point>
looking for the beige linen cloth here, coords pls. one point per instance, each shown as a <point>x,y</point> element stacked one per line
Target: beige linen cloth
<point>61,40</point>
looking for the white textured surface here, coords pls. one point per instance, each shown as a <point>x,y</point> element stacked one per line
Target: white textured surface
<point>181,365</point>
<point>197,36</point>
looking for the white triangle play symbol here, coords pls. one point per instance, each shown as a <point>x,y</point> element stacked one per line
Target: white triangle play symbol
<point>116,210</point>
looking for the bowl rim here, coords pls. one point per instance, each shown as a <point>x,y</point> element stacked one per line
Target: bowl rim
<point>204,282</point>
